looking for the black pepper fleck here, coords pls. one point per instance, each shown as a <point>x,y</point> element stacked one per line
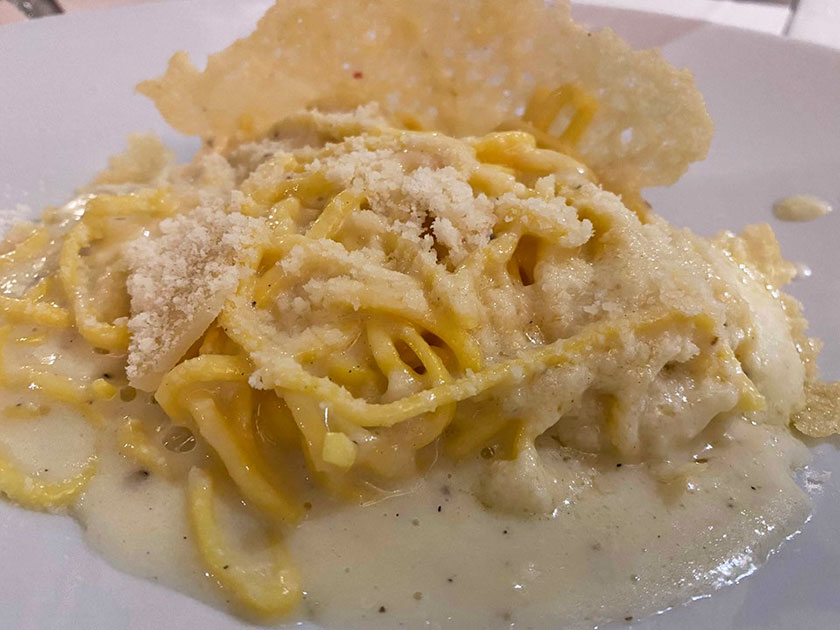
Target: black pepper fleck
<point>440,507</point>
<point>382,609</point>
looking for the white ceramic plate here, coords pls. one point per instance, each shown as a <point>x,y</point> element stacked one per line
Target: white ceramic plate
<point>67,103</point>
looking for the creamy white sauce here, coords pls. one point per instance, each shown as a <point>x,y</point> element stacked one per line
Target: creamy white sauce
<point>800,208</point>
<point>626,546</point>
<point>623,546</point>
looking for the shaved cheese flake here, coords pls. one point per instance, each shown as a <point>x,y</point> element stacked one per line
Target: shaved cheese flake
<point>178,284</point>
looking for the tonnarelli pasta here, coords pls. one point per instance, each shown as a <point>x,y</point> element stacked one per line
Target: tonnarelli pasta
<point>370,297</point>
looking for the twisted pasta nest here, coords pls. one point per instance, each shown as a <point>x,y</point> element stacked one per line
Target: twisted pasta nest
<point>370,298</point>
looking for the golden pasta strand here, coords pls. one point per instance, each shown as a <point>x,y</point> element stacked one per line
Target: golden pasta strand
<point>32,493</point>
<point>269,590</point>
<point>329,221</point>
<point>30,311</point>
<point>29,247</point>
<point>597,337</point>
<point>100,334</point>
<point>241,463</point>
<point>181,396</point>
<point>545,106</point>
<point>134,443</point>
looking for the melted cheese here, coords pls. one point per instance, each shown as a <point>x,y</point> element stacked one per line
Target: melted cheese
<point>492,390</point>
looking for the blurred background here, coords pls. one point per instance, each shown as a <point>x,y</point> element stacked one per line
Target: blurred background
<point>811,20</point>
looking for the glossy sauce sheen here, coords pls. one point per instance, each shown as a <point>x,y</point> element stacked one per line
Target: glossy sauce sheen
<point>627,541</point>
<point>623,546</point>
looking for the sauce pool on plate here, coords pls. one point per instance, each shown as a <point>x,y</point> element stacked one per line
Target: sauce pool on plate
<point>800,208</point>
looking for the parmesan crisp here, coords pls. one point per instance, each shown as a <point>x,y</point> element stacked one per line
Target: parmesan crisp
<point>460,67</point>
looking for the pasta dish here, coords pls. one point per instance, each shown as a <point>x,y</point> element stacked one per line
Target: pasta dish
<point>355,305</point>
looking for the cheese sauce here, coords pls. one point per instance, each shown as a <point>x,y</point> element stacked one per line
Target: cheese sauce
<point>624,545</point>
<point>800,208</point>
<point>627,541</point>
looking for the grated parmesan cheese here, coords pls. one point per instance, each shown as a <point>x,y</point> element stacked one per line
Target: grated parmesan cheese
<point>178,283</point>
